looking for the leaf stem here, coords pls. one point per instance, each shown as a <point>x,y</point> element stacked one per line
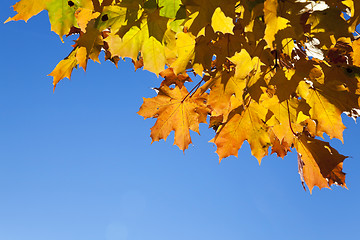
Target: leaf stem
<point>292,130</point>
<point>192,91</point>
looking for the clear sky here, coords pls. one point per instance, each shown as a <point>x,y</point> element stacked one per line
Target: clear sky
<point>77,164</point>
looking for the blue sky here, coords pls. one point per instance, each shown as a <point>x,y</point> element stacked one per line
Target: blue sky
<point>78,164</point>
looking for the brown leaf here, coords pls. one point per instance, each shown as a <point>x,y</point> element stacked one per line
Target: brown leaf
<point>139,63</point>
<point>172,78</point>
<point>280,148</point>
<point>91,43</point>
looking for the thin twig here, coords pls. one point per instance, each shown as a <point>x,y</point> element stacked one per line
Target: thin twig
<point>292,130</point>
<point>192,90</point>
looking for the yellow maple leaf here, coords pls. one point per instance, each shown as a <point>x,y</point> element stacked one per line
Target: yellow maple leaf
<point>207,12</point>
<point>284,121</point>
<point>61,12</point>
<point>64,68</point>
<point>113,17</point>
<point>27,8</point>
<point>244,123</point>
<point>185,46</point>
<point>327,115</point>
<point>221,23</point>
<point>147,36</point>
<point>244,64</point>
<point>273,22</point>
<point>153,55</point>
<point>127,46</point>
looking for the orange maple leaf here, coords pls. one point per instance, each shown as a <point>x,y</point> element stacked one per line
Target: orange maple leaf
<point>322,164</point>
<point>177,111</point>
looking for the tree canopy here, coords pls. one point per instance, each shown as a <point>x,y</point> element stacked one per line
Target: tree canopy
<point>276,73</point>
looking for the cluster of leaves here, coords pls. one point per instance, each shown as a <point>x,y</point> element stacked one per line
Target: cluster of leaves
<point>276,73</point>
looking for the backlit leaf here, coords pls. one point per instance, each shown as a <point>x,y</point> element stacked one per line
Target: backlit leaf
<point>174,112</point>
<point>245,123</point>
<point>322,163</point>
<point>64,68</point>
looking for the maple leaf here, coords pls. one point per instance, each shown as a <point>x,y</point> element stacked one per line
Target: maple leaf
<point>245,123</point>
<point>147,36</point>
<point>153,55</point>
<point>172,78</point>
<point>225,46</point>
<point>127,46</point>
<point>286,82</point>
<point>204,52</point>
<point>27,8</point>
<point>175,111</point>
<point>223,86</point>
<point>210,12</point>
<point>64,68</point>
<point>185,46</point>
<point>83,17</point>
<point>139,63</point>
<point>90,44</point>
<point>113,17</point>
<point>322,164</point>
<point>281,148</point>
<point>273,22</point>
<point>221,23</point>
<point>327,115</point>
<point>286,119</point>
<point>168,8</point>
<point>62,14</point>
